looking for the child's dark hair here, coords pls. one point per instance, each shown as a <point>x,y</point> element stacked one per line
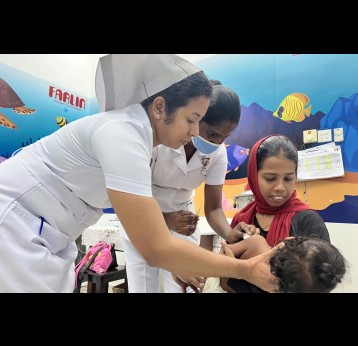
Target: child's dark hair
<point>181,93</point>
<point>308,265</point>
<point>276,145</point>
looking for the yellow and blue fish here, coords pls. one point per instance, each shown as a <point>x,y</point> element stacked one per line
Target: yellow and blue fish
<point>61,121</point>
<point>294,107</point>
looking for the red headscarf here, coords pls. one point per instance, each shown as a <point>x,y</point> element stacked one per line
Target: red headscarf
<point>281,223</point>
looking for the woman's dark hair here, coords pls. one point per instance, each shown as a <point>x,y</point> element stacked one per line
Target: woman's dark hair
<point>224,107</point>
<point>215,82</point>
<point>276,146</point>
<point>308,265</point>
<point>181,93</point>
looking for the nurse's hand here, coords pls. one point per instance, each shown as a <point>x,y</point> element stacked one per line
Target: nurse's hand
<point>246,228</point>
<point>241,231</point>
<point>259,270</point>
<point>183,222</point>
<point>225,249</point>
<point>194,283</point>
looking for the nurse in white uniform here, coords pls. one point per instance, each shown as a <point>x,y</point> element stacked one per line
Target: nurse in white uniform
<point>55,188</point>
<point>176,173</point>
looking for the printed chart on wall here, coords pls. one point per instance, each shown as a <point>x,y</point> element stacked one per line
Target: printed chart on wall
<point>321,162</point>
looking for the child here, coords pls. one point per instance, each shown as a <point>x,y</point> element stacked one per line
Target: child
<point>302,265</point>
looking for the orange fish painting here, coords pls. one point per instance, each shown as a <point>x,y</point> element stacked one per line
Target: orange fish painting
<point>294,107</point>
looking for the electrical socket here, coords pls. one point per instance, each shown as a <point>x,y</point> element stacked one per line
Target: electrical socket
<point>310,136</point>
<point>338,134</point>
<point>324,136</point>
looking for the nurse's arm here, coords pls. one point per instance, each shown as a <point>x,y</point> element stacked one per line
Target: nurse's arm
<point>144,224</point>
<point>215,215</point>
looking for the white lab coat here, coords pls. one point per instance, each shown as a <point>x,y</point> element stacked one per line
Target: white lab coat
<point>38,253</point>
<point>55,188</point>
<point>173,184</point>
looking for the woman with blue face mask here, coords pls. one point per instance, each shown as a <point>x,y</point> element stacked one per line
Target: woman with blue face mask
<point>176,173</point>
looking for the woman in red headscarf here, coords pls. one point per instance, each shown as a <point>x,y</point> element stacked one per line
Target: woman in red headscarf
<point>276,211</point>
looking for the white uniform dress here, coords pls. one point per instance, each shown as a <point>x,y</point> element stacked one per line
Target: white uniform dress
<point>174,181</point>
<point>55,188</point>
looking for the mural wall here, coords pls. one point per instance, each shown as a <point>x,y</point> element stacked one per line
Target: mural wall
<point>31,108</point>
<point>279,93</point>
<point>287,94</point>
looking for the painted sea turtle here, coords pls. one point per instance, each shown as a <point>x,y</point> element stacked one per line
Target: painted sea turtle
<point>9,99</point>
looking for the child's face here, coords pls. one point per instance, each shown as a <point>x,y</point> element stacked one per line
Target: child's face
<point>277,179</point>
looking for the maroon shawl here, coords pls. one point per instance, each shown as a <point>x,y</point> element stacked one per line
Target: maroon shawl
<point>281,223</point>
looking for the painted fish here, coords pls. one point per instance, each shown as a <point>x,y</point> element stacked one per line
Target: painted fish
<point>294,108</point>
<point>236,155</point>
<point>61,121</point>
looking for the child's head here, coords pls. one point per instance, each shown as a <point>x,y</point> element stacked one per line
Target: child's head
<point>308,265</point>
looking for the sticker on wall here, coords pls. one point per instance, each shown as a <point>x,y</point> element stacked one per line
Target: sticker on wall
<point>66,98</point>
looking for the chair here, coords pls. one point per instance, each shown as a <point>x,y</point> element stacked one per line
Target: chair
<point>98,282</point>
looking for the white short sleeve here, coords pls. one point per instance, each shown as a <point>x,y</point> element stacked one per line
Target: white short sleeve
<point>124,152</point>
<point>217,170</point>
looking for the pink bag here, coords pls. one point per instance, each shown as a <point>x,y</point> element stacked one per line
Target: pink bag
<point>98,259</point>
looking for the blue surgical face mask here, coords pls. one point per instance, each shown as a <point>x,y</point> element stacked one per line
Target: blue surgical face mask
<point>204,146</point>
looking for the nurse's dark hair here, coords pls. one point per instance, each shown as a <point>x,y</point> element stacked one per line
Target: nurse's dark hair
<point>276,146</point>
<point>181,93</point>
<point>308,265</point>
<point>224,106</point>
<point>215,82</point>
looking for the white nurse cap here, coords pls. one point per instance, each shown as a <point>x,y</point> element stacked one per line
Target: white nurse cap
<point>126,79</point>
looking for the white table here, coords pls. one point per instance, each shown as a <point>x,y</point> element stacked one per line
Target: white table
<point>210,240</point>
<point>106,229</point>
<point>205,228</point>
<point>108,226</point>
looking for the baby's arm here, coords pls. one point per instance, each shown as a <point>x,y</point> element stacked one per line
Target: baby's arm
<point>250,247</point>
<point>244,249</point>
